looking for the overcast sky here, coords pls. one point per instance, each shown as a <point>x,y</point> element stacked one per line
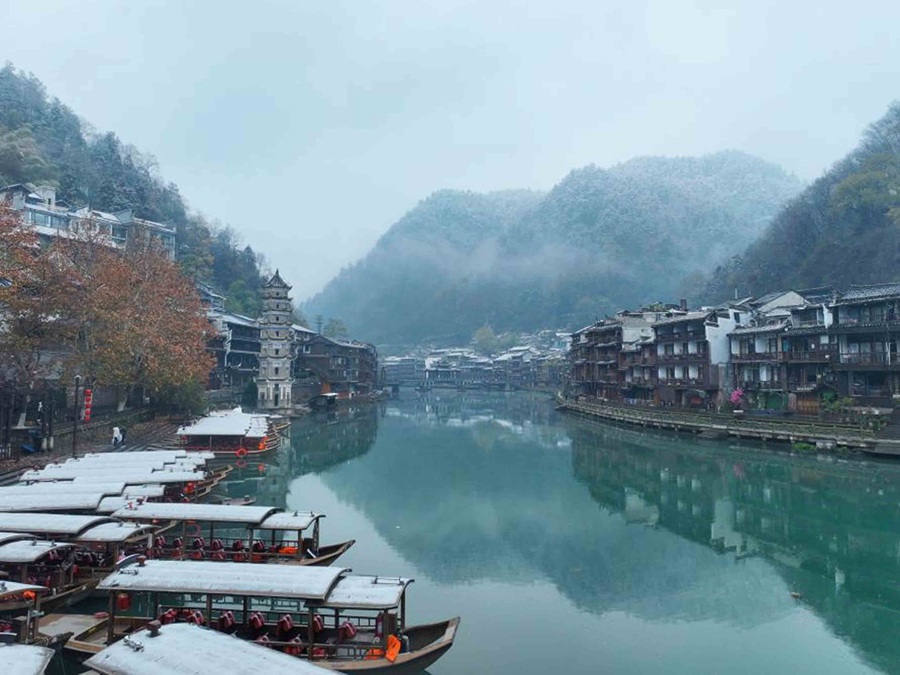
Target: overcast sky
<point>312,127</point>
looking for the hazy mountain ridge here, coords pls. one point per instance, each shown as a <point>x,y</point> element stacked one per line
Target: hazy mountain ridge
<point>599,240</point>
<point>842,229</point>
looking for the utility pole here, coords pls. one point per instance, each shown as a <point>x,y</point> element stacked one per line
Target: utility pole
<point>75,417</point>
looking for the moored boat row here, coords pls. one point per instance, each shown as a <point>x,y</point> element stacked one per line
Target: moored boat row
<point>176,569</point>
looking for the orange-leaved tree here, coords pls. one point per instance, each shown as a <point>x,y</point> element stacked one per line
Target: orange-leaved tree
<point>33,336</point>
<point>138,319</point>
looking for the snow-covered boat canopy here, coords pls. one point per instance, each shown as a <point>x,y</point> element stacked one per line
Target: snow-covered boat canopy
<point>185,648</point>
<point>29,551</point>
<point>113,533</point>
<point>137,475</point>
<point>166,456</point>
<point>19,659</point>
<point>228,423</point>
<point>49,523</point>
<point>258,517</point>
<point>9,589</point>
<point>259,581</point>
<point>80,501</point>
<point>290,520</point>
<point>366,592</point>
<point>104,473</point>
<point>14,536</point>
<point>63,486</point>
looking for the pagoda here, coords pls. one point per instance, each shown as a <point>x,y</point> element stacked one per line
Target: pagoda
<point>275,335</point>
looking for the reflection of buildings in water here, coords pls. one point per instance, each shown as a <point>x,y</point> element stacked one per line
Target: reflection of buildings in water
<point>526,415</point>
<point>325,439</point>
<point>831,528</point>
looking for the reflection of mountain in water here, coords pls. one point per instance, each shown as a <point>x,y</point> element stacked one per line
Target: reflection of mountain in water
<point>482,488</point>
<point>830,528</point>
<point>326,439</point>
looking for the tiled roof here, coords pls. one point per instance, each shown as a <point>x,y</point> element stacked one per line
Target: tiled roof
<point>690,316</point>
<point>866,293</point>
<point>768,328</point>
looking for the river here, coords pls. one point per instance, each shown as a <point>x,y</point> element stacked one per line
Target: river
<point>575,546</point>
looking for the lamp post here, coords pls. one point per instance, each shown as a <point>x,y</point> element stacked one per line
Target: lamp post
<point>75,417</point>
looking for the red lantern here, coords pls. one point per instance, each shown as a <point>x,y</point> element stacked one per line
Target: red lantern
<point>88,404</point>
<point>123,602</point>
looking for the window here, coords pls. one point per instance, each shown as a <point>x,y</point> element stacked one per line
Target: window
<point>276,370</point>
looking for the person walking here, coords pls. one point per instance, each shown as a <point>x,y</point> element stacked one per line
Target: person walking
<point>117,437</point>
<point>122,432</point>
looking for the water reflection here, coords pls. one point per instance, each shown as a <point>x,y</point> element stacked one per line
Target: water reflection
<point>830,527</point>
<point>500,490</point>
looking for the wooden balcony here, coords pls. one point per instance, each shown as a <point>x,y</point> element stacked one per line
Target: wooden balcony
<point>757,357</point>
<point>867,361</point>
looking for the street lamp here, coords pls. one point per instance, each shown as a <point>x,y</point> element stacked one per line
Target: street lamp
<point>75,417</point>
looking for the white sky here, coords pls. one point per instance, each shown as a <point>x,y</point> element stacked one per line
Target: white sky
<point>312,127</point>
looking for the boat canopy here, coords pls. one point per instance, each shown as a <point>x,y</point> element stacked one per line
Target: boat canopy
<point>139,456</point>
<point>290,520</point>
<point>14,536</point>
<point>209,513</point>
<point>141,473</point>
<point>185,648</point>
<point>214,578</point>
<point>109,505</point>
<point>49,523</point>
<point>228,423</point>
<point>366,592</point>
<point>11,588</point>
<point>22,552</point>
<point>19,659</point>
<point>80,501</point>
<point>113,532</point>
<point>131,476</point>
<point>63,486</point>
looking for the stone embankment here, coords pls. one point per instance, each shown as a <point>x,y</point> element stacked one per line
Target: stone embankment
<point>818,433</point>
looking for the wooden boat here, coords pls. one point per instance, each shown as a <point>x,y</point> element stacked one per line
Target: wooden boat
<point>181,648</point>
<point>33,562</point>
<point>99,540</point>
<point>243,533</point>
<point>336,620</point>
<point>231,434</point>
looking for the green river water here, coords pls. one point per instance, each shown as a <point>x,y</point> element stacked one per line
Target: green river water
<point>571,546</point>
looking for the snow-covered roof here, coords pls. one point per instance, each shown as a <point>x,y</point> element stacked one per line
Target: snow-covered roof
<point>165,456</point>
<point>54,501</point>
<point>188,576</point>
<point>62,487</point>
<point>14,536</point>
<point>19,659</point>
<point>49,523</point>
<point>20,552</point>
<point>114,532</point>
<point>131,476</point>
<point>192,650</point>
<point>365,592</point>
<point>215,513</point>
<point>289,520</point>
<point>228,423</point>
<point>9,588</point>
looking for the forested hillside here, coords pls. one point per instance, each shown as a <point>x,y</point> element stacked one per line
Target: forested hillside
<point>601,240</point>
<point>843,229</point>
<point>43,142</point>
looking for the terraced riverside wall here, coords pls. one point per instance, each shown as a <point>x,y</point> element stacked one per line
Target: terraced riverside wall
<point>821,434</point>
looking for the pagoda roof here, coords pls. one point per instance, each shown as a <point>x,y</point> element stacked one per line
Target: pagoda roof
<point>275,281</point>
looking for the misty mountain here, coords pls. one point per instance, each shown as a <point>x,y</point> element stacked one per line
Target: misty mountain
<point>600,240</point>
<point>842,229</point>
<point>42,141</point>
